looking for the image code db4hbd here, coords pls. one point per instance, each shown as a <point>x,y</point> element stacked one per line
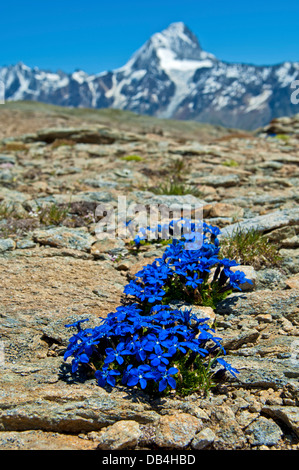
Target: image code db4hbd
<point>168,459</point>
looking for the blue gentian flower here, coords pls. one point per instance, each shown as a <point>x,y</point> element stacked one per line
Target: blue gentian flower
<point>133,289</point>
<point>194,346</point>
<point>152,294</point>
<point>237,278</point>
<point>174,344</point>
<point>152,340</point>
<point>77,324</point>
<point>116,354</point>
<point>139,349</point>
<point>227,366</point>
<point>82,358</point>
<point>159,357</point>
<point>194,281</point>
<point>106,376</point>
<point>166,377</point>
<point>141,375</point>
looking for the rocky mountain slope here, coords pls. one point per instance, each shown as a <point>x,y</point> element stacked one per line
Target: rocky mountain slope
<point>54,172</point>
<point>170,76</point>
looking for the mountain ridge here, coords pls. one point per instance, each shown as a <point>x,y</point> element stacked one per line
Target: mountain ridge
<point>170,77</point>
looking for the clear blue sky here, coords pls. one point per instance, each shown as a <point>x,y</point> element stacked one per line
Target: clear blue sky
<point>103,34</point>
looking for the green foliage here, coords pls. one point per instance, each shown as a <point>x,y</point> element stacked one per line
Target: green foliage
<point>6,210</point>
<point>195,374</point>
<point>230,163</point>
<point>283,137</point>
<point>208,294</point>
<point>132,158</point>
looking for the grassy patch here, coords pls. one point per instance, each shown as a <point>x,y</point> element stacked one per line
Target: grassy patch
<point>52,215</point>
<point>250,248</point>
<point>14,147</point>
<point>194,374</point>
<point>62,143</point>
<point>176,188</point>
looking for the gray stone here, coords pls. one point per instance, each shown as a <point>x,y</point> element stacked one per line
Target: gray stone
<point>4,158</point>
<point>6,244</point>
<point>6,176</point>
<point>94,150</point>
<point>203,439</point>
<point>187,201</point>
<point>270,278</point>
<point>280,235</point>
<point>288,414</point>
<point>261,372</point>
<point>263,431</point>
<point>25,244</point>
<point>292,242</point>
<point>98,183</point>
<point>290,261</point>
<point>93,196</point>
<point>229,434</point>
<point>225,181</point>
<point>124,173</point>
<point>121,435</point>
<point>66,408</point>
<point>85,135</point>
<point>236,340</point>
<point>264,223</point>
<point>278,346</point>
<point>194,148</point>
<point>176,431</point>
<point>272,164</point>
<point>113,246</point>
<point>280,303</point>
<point>10,196</point>
<point>63,237</point>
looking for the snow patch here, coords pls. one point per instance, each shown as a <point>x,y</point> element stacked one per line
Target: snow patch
<point>284,75</point>
<point>169,62</point>
<point>79,76</point>
<point>256,102</point>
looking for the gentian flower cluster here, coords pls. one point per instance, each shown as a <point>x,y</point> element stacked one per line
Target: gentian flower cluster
<point>148,343</point>
<point>189,269</point>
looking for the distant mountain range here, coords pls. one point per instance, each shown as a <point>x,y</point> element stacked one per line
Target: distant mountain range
<point>170,76</point>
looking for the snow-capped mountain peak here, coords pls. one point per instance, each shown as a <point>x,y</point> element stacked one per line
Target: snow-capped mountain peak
<point>178,39</point>
<point>173,47</point>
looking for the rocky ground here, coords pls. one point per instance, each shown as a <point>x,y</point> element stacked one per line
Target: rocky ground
<point>56,167</point>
